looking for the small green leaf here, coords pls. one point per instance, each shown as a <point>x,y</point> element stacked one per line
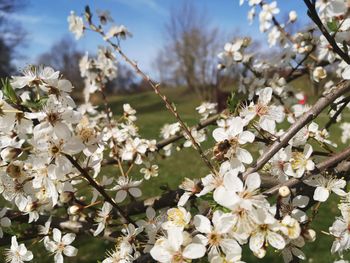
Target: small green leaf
<point>36,104</point>
<point>332,25</point>
<point>232,102</point>
<point>9,92</point>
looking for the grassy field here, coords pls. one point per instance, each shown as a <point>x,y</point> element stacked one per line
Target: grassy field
<point>151,117</point>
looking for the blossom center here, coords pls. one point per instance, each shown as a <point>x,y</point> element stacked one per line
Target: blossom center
<point>261,109</point>
<point>53,117</point>
<point>176,216</point>
<point>214,239</point>
<point>298,160</point>
<point>178,258</point>
<point>86,134</point>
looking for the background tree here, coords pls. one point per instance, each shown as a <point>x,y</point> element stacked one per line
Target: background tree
<point>125,82</point>
<point>9,40</point>
<point>191,45</point>
<point>64,56</point>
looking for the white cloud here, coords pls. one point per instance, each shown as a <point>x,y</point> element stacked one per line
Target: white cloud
<point>28,19</point>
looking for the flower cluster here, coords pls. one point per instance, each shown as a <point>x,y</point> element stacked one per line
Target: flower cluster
<point>274,141</point>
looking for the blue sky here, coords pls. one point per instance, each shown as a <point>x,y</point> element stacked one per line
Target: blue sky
<point>46,22</point>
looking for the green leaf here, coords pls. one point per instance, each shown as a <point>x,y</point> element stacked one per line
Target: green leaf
<point>232,102</point>
<point>332,25</point>
<point>36,104</point>
<point>9,92</point>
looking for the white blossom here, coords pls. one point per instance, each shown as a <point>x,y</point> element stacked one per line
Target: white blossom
<point>76,25</point>
<point>324,186</point>
<point>17,253</point>
<point>176,247</point>
<point>60,245</point>
<point>126,186</point>
<point>103,217</point>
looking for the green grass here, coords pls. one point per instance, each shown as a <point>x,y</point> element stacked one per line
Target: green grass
<point>152,115</point>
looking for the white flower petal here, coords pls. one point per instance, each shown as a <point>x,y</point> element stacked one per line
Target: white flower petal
<point>321,194</point>
<point>219,134</point>
<point>68,238</point>
<point>70,251</point>
<point>193,251</point>
<point>135,192</point>
<point>307,151</point>
<point>202,224</point>
<point>276,240</point>
<point>246,136</point>
<point>120,196</point>
<point>256,241</point>
<point>244,156</point>
<point>265,95</point>
<point>57,235</point>
<point>253,182</point>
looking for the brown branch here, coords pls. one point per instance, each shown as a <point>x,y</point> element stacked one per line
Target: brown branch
<point>342,88</point>
<point>338,112</point>
<point>168,199</point>
<point>328,163</point>
<point>290,74</point>
<point>100,189</point>
<point>78,227</point>
<point>312,13</point>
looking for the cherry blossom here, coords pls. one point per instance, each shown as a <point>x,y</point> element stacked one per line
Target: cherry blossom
<point>298,162</point>
<point>76,25</point>
<point>215,236</point>
<point>103,217</point>
<point>60,245</point>
<point>126,186</point>
<point>17,253</point>
<point>268,114</point>
<point>235,136</point>
<point>324,186</point>
<point>206,109</point>
<point>176,247</point>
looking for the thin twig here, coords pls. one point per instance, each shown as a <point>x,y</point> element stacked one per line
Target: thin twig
<point>338,112</point>
<point>328,163</point>
<point>342,88</point>
<point>100,189</point>
<point>312,13</point>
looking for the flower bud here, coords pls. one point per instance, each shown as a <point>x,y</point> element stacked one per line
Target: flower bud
<point>293,16</point>
<point>74,209</point>
<point>260,253</point>
<point>310,235</point>
<point>220,66</point>
<point>284,191</point>
<point>246,41</point>
<point>319,73</point>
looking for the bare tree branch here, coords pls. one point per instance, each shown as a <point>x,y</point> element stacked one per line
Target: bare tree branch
<point>100,189</point>
<point>341,88</point>
<point>312,13</point>
<point>328,163</point>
